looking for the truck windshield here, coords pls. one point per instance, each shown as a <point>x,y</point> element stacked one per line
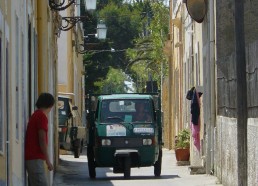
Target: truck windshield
<point>139,110</point>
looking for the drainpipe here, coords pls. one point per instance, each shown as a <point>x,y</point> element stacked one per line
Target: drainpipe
<point>170,71</point>
<point>7,154</point>
<point>172,89</point>
<point>7,129</point>
<point>242,108</point>
<point>212,124</point>
<point>7,91</point>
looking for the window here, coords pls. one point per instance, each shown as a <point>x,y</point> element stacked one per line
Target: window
<point>126,110</point>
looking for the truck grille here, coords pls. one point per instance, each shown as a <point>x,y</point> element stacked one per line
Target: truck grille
<point>126,142</point>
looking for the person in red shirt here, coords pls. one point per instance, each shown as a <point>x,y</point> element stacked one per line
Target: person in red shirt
<point>36,141</point>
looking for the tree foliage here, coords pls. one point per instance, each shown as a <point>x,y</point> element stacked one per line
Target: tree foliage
<point>148,49</point>
<point>123,24</point>
<point>114,82</point>
<point>140,27</point>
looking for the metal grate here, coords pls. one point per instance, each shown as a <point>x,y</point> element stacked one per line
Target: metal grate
<point>126,142</point>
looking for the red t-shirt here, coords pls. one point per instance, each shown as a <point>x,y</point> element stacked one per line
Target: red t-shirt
<point>37,121</point>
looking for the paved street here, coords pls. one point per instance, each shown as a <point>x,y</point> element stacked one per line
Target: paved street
<point>73,171</point>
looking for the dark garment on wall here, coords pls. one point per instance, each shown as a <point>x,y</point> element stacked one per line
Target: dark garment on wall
<point>189,94</point>
<point>195,108</point>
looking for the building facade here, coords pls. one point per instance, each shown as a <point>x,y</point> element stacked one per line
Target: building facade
<point>203,55</point>
<point>186,71</point>
<point>28,55</point>
<point>226,120</point>
<point>70,65</point>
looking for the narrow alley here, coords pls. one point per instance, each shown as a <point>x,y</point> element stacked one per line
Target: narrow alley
<point>74,172</point>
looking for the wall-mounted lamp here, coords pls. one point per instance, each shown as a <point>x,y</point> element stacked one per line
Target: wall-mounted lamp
<point>68,23</point>
<point>64,4</point>
<point>112,50</point>
<point>81,48</point>
<point>91,4</point>
<point>101,35</point>
<point>101,30</point>
<point>59,6</point>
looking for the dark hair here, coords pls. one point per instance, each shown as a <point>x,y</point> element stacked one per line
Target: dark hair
<point>45,100</point>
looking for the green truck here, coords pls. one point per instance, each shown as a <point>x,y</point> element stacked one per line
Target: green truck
<point>124,131</point>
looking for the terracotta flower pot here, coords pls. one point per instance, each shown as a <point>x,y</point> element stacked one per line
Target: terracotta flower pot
<point>182,154</point>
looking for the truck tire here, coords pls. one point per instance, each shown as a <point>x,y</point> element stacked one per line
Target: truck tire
<point>127,168</point>
<point>77,152</point>
<point>157,165</point>
<point>76,147</point>
<point>91,163</point>
<point>81,146</point>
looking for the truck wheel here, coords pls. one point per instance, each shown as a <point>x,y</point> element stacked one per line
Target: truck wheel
<point>76,152</point>
<point>127,168</point>
<point>76,147</point>
<point>157,165</point>
<point>81,146</point>
<point>91,163</point>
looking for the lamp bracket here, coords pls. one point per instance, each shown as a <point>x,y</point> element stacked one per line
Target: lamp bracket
<point>70,22</point>
<point>55,5</point>
<point>81,51</point>
<point>84,50</point>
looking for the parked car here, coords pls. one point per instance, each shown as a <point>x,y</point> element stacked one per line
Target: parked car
<point>70,128</point>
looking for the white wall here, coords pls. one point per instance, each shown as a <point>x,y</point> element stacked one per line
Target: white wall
<point>62,55</point>
<point>226,151</point>
<point>19,69</point>
<point>3,103</point>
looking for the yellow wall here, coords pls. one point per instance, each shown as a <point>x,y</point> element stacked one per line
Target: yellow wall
<point>62,88</point>
<point>74,64</point>
<point>2,167</point>
<point>42,45</point>
<point>43,21</point>
<point>78,63</point>
<point>47,25</point>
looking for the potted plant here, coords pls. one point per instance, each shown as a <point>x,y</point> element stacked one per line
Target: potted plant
<point>182,144</point>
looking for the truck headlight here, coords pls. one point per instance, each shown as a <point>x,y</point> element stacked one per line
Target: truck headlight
<point>147,141</point>
<point>105,142</point>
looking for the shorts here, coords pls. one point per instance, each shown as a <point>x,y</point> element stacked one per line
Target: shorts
<point>36,172</point>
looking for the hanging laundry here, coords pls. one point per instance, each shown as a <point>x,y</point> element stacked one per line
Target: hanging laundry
<point>194,96</point>
<point>195,125</point>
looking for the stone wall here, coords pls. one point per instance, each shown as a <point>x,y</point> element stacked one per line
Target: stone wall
<point>226,151</point>
<point>226,128</point>
<point>226,73</point>
<point>252,161</point>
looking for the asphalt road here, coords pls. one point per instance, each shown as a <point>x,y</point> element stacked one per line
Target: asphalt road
<point>74,172</point>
